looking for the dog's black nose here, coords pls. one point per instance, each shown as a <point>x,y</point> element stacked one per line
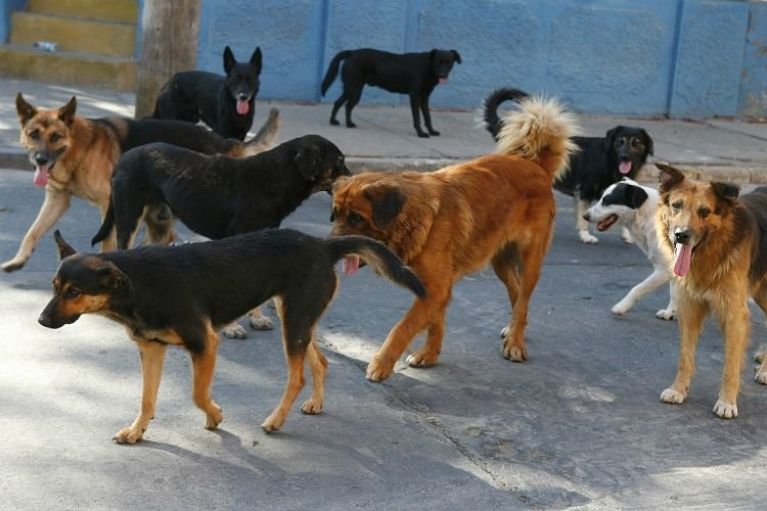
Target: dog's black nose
<point>682,237</point>
<point>41,159</point>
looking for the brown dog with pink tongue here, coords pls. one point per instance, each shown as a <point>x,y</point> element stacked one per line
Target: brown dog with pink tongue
<point>719,246</point>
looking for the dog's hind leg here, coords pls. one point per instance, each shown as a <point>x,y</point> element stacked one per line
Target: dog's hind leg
<point>319,367</point>
<point>353,97</point>
<point>505,266</point>
<point>55,204</point>
<point>152,356</point>
<point>691,316</point>
<point>760,297</point>
<point>581,224</point>
<point>203,367</point>
<point>414,105</point>
<point>336,107</point>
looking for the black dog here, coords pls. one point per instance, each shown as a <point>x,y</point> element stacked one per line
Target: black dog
<point>414,74</point>
<point>600,162</point>
<point>182,294</point>
<point>225,103</point>
<point>217,196</point>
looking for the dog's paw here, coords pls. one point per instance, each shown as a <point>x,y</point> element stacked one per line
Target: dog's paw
<point>274,422</point>
<point>312,406</point>
<point>350,125</point>
<point>378,370</point>
<point>672,396</point>
<point>667,314</point>
<point>587,237</point>
<point>622,307</point>
<point>422,358</point>
<point>234,331</point>
<point>260,323</point>
<point>514,352</point>
<point>212,420</point>
<point>434,133</point>
<point>129,435</point>
<point>759,357</point>
<point>334,122</point>
<point>725,410</point>
<point>13,265</point>
<point>422,134</point>
<point>627,237</point>
<point>761,371</point>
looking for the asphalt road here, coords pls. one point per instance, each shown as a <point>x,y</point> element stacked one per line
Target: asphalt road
<point>578,426</point>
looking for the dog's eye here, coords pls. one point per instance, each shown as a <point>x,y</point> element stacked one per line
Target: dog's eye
<point>55,137</point>
<point>677,206</point>
<point>620,141</point>
<point>356,220</point>
<point>637,144</point>
<point>34,134</point>
<point>704,212</point>
<point>71,293</point>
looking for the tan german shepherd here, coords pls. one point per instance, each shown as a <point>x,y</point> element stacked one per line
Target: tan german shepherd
<point>718,247</point>
<point>73,155</point>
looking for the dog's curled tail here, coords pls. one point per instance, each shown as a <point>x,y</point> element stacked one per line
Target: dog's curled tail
<point>379,257</point>
<point>490,105</point>
<point>106,225</point>
<point>332,71</point>
<point>539,131</point>
<point>266,136</point>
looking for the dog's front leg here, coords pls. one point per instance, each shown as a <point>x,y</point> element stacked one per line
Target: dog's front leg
<point>656,279</point>
<point>581,224</point>
<point>691,316</point>
<point>416,117</point>
<point>55,204</point>
<point>735,325</point>
<point>427,116</point>
<point>152,359</point>
<point>203,367</point>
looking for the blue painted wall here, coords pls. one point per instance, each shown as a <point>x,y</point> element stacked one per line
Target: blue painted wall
<point>692,58</point>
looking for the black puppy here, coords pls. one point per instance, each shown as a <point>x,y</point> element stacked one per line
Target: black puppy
<point>414,74</point>
<point>225,103</point>
<point>181,295</point>
<point>600,162</point>
<point>218,196</point>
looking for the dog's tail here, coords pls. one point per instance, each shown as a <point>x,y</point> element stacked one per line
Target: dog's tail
<point>490,105</point>
<point>378,256</point>
<point>106,225</point>
<point>266,136</point>
<point>332,71</point>
<point>539,131</point>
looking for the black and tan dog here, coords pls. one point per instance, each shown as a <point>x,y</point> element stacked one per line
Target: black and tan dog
<point>180,295</point>
<point>218,196</point>
<point>599,162</point>
<point>73,155</point>
<point>225,103</point>
<point>718,246</point>
<point>414,74</point>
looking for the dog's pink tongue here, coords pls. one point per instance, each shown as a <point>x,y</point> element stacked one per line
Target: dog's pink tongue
<point>243,107</point>
<point>442,81</point>
<point>625,167</point>
<point>351,264</point>
<point>41,175</point>
<point>682,257</point>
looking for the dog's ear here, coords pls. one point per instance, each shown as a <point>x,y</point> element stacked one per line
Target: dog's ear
<point>635,196</point>
<point>648,142</point>
<point>229,60</point>
<point>387,202</point>
<point>669,176</point>
<point>456,56</point>
<point>725,191</point>
<point>611,134</point>
<point>65,250</point>
<point>306,160</point>
<point>255,59</point>
<point>111,277</point>
<point>433,54</point>
<point>67,112</point>
<point>24,110</point>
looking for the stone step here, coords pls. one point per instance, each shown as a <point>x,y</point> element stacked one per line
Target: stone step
<point>68,68</point>
<point>74,34</point>
<point>125,11</point>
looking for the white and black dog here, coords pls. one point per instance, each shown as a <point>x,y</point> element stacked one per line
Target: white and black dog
<point>633,207</point>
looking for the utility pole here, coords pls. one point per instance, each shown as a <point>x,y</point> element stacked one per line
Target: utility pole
<point>168,45</point>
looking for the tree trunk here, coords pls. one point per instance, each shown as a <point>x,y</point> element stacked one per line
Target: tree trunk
<point>168,45</point>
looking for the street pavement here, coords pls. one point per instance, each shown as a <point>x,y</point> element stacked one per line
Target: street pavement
<point>578,426</point>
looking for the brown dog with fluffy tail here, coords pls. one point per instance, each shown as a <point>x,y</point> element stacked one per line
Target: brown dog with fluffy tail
<point>496,209</point>
<point>719,250</point>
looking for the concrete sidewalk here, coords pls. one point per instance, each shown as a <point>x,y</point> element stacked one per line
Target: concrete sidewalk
<point>720,149</point>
